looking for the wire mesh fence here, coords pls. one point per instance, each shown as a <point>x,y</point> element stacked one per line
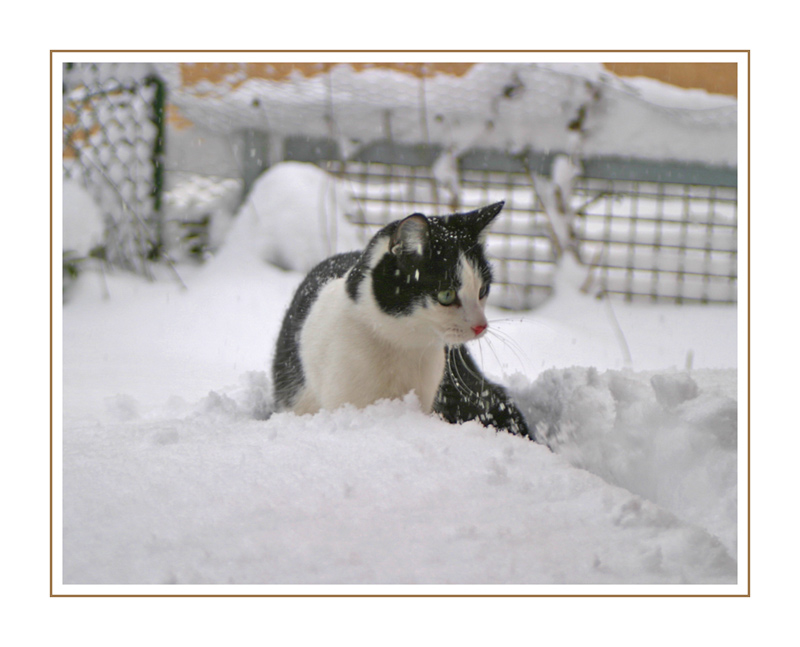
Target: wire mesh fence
<point>658,241</point>
<point>669,235</point>
<point>389,181</point>
<point>113,144</point>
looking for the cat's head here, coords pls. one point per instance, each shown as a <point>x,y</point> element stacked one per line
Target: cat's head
<point>430,273</point>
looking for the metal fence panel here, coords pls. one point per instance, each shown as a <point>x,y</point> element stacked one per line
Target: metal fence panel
<point>389,182</point>
<point>658,240</point>
<point>642,229</point>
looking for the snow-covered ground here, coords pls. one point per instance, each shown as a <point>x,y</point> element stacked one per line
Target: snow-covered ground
<point>172,474</point>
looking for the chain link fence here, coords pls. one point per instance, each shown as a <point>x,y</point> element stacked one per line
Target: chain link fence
<point>113,145</point>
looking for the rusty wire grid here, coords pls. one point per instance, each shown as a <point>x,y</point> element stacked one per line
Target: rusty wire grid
<point>657,240</point>
<point>670,236</point>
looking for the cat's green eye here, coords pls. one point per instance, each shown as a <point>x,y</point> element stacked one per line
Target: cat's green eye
<point>446,297</point>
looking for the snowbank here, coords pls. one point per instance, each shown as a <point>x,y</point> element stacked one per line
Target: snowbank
<point>384,495</point>
<point>294,217</point>
<point>662,436</point>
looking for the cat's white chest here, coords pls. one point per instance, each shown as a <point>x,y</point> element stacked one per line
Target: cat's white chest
<point>353,353</point>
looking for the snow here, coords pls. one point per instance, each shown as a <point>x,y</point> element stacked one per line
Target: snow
<point>477,109</point>
<point>172,474</point>
<point>385,495</point>
<point>294,217</point>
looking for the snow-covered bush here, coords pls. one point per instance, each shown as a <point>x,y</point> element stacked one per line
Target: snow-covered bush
<point>198,211</point>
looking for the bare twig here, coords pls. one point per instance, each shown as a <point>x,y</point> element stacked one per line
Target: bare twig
<point>623,343</point>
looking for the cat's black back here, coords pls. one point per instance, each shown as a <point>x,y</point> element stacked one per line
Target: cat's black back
<point>287,369</point>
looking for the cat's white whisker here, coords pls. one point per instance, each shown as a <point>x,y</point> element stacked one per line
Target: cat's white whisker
<point>508,340</point>
<point>458,379</point>
<point>477,374</point>
<point>526,322</point>
<point>523,362</point>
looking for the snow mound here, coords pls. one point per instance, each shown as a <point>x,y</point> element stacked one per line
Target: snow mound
<point>662,436</point>
<point>294,217</point>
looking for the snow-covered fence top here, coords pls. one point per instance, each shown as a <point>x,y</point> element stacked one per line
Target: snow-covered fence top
<point>507,106</point>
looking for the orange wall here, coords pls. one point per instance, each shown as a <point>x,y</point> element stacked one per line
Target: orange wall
<point>193,73</point>
<point>717,78</point>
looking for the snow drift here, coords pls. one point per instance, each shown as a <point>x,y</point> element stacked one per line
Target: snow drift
<point>294,217</point>
<point>384,495</point>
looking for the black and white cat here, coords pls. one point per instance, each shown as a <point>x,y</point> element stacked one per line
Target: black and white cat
<point>392,319</point>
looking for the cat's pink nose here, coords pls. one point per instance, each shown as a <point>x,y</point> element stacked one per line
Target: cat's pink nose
<point>479,329</point>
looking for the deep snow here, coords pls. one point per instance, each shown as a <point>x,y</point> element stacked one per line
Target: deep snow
<point>386,495</point>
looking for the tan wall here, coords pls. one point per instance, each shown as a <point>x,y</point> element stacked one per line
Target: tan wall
<point>237,73</point>
<point>717,78</point>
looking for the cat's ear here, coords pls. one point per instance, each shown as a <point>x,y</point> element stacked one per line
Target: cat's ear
<point>483,217</point>
<point>411,236</point>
